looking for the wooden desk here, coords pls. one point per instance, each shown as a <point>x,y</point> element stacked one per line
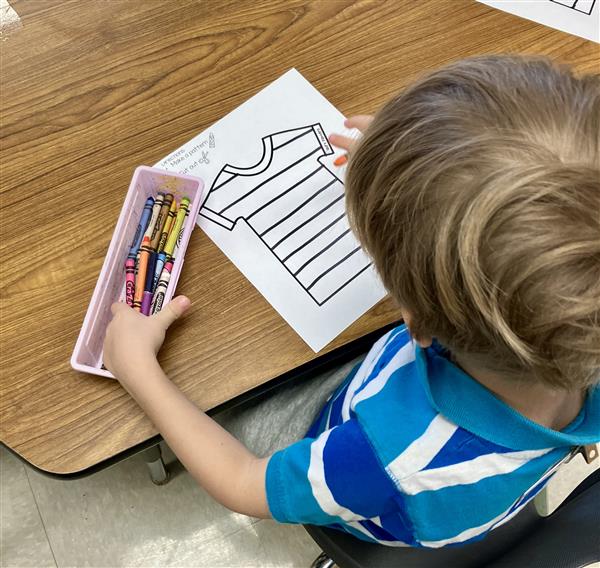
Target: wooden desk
<point>92,89</point>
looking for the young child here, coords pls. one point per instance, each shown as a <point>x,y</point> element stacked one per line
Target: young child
<point>477,193</point>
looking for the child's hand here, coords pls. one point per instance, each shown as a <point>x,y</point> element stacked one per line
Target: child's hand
<point>360,122</point>
<point>133,338</point>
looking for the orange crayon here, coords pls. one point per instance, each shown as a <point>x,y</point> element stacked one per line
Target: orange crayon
<point>140,277</point>
<point>341,160</point>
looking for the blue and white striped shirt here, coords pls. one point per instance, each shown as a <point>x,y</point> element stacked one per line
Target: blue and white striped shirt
<point>411,451</point>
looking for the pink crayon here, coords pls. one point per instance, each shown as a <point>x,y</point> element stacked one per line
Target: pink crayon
<point>161,288</point>
<point>129,281</point>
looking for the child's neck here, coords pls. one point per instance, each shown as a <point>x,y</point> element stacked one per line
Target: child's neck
<point>549,407</point>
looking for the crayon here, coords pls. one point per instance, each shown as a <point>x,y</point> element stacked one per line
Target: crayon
<point>162,257</point>
<point>147,295</point>
<point>167,226</point>
<point>155,211</point>
<point>150,228</point>
<point>140,279</point>
<point>180,236</point>
<point>161,288</point>
<point>139,232</point>
<point>160,221</point>
<point>175,229</point>
<point>341,160</point>
<point>160,262</point>
<point>129,281</point>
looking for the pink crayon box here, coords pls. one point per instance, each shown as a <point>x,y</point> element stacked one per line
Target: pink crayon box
<point>110,287</point>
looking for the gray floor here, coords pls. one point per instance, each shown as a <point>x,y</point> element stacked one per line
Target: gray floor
<point>119,518</point>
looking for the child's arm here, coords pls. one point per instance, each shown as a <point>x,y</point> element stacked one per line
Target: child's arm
<point>218,462</point>
<point>221,464</point>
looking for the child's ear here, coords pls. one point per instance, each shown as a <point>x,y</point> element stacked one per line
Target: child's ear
<point>423,342</point>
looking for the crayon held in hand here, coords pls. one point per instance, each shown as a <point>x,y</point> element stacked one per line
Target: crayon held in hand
<point>341,160</point>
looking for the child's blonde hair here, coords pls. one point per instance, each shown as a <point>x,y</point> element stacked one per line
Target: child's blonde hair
<point>477,193</point>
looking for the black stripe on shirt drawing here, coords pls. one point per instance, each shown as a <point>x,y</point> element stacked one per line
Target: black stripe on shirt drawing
<point>300,226</point>
<point>277,223</point>
<point>276,175</point>
<point>266,150</point>
<point>280,195</point>
<point>582,6</point>
<point>295,207</point>
<point>324,249</point>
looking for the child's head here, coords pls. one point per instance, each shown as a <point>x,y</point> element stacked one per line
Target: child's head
<point>477,193</point>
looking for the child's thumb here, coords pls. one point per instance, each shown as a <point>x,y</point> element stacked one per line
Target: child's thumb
<point>173,310</point>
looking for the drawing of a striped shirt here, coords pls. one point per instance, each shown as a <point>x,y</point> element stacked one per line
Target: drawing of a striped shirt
<point>295,205</point>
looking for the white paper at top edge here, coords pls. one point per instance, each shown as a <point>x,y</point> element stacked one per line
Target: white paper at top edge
<point>576,17</point>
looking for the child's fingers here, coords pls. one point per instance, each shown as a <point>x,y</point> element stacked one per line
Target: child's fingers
<point>344,142</point>
<point>118,307</point>
<point>359,121</point>
<point>172,311</point>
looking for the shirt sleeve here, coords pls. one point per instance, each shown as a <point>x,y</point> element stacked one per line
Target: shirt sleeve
<point>333,478</point>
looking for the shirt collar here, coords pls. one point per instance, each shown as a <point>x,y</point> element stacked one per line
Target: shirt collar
<point>473,407</point>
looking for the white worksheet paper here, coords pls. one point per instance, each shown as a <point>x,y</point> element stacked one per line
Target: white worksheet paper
<point>275,206</point>
<point>577,17</point>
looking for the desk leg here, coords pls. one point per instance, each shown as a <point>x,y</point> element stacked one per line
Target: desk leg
<point>323,561</point>
<point>158,471</point>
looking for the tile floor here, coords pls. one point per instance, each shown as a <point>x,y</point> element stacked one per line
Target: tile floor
<point>119,518</point>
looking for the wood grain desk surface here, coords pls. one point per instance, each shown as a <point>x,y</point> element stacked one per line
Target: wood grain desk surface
<point>91,90</point>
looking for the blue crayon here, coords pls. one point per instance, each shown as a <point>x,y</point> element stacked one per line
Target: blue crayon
<point>147,295</point>
<point>150,271</point>
<point>141,228</point>
<point>160,262</point>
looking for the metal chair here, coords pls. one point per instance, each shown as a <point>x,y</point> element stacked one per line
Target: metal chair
<point>568,538</point>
